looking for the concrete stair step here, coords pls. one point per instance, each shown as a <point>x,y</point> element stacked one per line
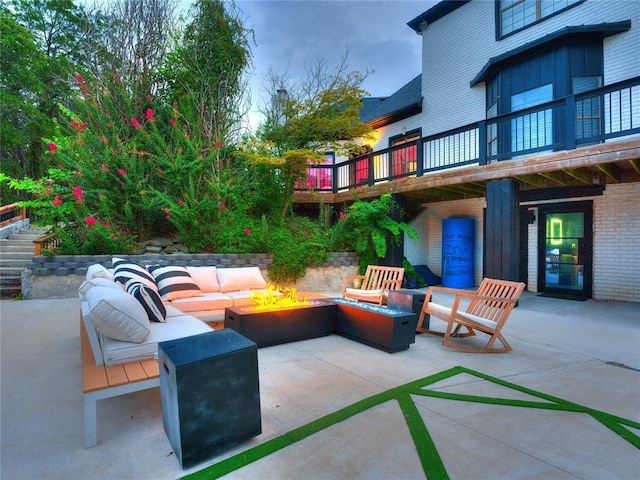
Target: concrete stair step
<point>11,280</point>
<point>11,272</point>
<point>25,235</point>
<point>6,263</point>
<point>8,243</point>
<point>10,291</point>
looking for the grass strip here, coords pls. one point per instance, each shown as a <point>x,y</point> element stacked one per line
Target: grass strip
<point>425,446</point>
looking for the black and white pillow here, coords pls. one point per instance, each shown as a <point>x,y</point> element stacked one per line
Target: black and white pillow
<point>125,271</point>
<point>174,282</point>
<point>149,299</point>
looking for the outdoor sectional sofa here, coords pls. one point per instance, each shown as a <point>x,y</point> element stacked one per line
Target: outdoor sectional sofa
<point>129,309</point>
<point>126,311</point>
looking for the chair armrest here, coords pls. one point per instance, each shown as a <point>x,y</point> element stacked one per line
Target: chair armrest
<point>475,296</point>
<point>348,278</point>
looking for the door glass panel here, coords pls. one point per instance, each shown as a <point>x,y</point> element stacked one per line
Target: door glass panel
<point>563,262</point>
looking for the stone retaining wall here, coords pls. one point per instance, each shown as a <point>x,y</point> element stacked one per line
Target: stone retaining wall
<point>60,276</point>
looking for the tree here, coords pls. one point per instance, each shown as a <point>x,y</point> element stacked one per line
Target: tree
<point>319,113</point>
<point>305,120</point>
<point>41,42</point>
<point>20,85</point>
<point>130,40</point>
<point>206,73</point>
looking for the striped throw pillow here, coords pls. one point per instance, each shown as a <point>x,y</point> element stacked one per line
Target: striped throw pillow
<point>149,299</point>
<point>124,271</point>
<point>174,282</point>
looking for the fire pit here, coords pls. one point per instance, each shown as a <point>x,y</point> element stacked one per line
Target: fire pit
<point>277,325</point>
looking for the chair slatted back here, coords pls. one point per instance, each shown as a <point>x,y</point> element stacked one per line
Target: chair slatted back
<point>376,276</point>
<point>496,308</point>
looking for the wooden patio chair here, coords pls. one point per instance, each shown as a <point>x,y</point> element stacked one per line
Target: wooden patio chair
<point>376,283</point>
<point>487,312</point>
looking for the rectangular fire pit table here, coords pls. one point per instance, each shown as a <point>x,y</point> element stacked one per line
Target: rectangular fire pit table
<point>380,327</point>
<point>282,325</point>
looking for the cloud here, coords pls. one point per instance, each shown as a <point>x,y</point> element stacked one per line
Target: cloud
<point>291,33</point>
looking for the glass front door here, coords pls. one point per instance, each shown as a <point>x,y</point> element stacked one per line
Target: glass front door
<point>566,250</point>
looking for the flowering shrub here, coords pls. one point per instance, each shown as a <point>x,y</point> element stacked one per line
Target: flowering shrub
<point>79,218</point>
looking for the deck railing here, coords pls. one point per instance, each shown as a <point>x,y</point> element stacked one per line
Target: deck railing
<point>45,243</point>
<point>574,121</point>
<point>12,213</point>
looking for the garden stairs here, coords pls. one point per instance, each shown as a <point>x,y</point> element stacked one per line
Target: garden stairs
<point>15,252</point>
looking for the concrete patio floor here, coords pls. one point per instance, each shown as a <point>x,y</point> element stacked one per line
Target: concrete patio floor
<point>584,352</point>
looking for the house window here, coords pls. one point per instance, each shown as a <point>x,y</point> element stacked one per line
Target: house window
<point>404,158</point>
<point>533,129</point>
<point>515,15</point>
<point>588,117</point>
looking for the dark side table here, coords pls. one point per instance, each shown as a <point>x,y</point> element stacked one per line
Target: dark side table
<point>408,300</point>
<point>210,393</point>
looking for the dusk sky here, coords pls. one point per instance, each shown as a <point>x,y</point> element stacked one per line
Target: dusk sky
<point>288,33</point>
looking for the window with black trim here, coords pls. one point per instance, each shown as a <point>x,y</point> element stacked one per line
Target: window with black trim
<point>404,159</point>
<point>514,15</point>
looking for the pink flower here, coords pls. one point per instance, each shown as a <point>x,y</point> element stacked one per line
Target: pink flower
<point>166,209</point>
<point>83,127</point>
<point>107,225</point>
<point>168,217</point>
<point>47,191</point>
<point>136,123</point>
<point>146,175</point>
<point>247,231</point>
<point>222,207</point>
<point>56,202</point>
<point>186,135</point>
<point>90,220</point>
<point>172,122</point>
<point>160,171</point>
<point>122,171</point>
<point>180,202</point>
<point>74,124</point>
<point>175,103</point>
<point>104,167</point>
<point>218,144</point>
<point>78,195</point>
<point>149,114</point>
<point>342,216</point>
<point>52,146</point>
<point>79,78</point>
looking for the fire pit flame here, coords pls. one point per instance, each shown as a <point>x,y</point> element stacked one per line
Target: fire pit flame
<point>275,297</point>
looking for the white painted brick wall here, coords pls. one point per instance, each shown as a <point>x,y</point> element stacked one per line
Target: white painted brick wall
<point>456,48</point>
<point>429,225</point>
<point>616,243</point>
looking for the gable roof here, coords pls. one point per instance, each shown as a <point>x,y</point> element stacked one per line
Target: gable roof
<point>407,101</point>
<point>599,30</point>
<point>435,13</point>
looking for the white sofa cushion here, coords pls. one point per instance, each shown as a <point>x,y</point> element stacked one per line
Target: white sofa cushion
<point>206,278</point>
<point>174,282</point>
<point>124,270</point>
<point>118,315</point>
<point>98,271</point>
<point>149,299</point>
<point>96,282</point>
<point>208,301</point>
<point>240,278</point>
<point>117,352</point>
